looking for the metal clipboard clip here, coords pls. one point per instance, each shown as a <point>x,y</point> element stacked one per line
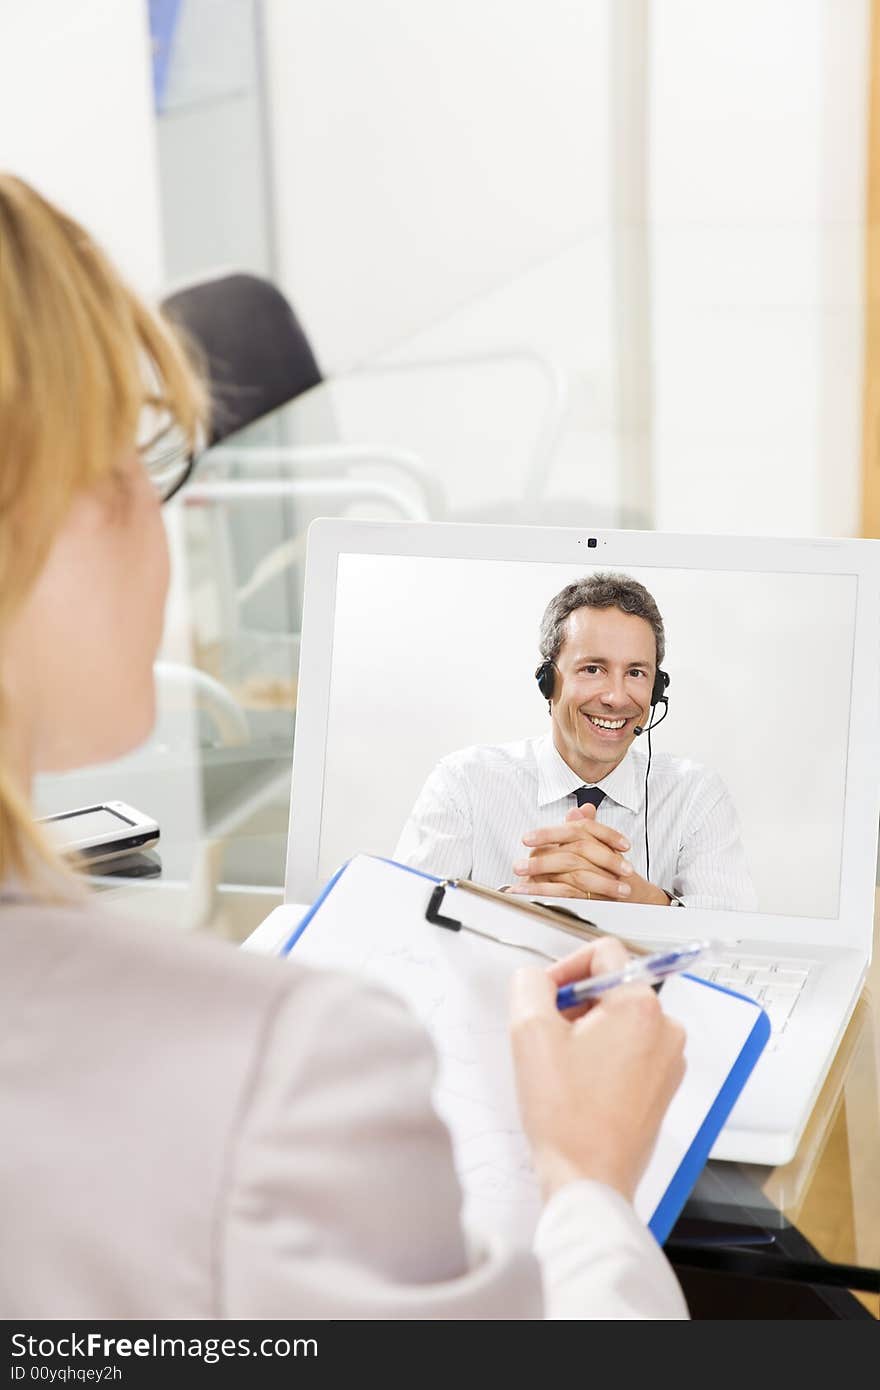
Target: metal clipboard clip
<point>561,918</point>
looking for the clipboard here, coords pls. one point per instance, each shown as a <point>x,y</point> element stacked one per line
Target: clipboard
<point>380,920</point>
<point>563,918</point>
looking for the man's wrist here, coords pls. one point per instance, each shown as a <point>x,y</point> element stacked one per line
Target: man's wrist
<point>647,894</point>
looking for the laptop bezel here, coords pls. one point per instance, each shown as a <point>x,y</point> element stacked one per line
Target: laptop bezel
<point>330,538</point>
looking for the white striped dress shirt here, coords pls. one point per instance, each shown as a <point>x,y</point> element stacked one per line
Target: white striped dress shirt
<point>477,804</point>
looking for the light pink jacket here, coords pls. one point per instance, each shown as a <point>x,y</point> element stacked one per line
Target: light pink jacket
<point>188,1131</point>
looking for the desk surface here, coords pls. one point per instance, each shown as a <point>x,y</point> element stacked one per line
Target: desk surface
<point>216,775</point>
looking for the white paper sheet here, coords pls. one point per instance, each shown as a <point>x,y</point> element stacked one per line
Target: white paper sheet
<point>373,922</point>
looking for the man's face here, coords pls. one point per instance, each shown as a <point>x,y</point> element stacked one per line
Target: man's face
<point>604,677</point>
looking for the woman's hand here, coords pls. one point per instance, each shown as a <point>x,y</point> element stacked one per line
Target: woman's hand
<point>593,1085</point>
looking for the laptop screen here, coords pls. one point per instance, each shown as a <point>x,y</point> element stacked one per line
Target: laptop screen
<point>441,750</point>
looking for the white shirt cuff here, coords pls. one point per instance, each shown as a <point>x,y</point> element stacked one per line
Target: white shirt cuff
<point>598,1260</point>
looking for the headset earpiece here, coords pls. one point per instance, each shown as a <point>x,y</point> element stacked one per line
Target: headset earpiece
<point>546,678</point>
<point>658,692</point>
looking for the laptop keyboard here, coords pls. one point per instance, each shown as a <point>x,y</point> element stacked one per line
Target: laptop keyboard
<point>775,983</point>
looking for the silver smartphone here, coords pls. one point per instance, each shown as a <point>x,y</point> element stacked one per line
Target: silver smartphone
<point>101,833</point>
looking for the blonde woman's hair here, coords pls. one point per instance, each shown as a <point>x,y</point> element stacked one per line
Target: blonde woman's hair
<point>81,357</point>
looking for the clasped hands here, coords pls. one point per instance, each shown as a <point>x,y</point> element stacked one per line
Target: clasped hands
<point>582,858</point>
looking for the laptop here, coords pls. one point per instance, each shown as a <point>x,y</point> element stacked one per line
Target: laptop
<point>420,640</point>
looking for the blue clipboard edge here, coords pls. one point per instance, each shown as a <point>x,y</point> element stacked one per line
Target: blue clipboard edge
<point>328,888</point>
<point>667,1212</point>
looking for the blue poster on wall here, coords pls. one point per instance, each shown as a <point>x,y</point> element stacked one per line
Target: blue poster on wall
<point>163,21</point>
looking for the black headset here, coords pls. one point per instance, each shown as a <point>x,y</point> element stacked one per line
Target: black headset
<point>546,678</point>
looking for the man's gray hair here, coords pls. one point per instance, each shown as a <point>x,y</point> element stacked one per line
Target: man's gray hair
<point>599,591</point>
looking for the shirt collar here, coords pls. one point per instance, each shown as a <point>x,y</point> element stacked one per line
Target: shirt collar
<point>556,779</point>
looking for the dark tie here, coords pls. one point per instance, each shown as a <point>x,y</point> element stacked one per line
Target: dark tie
<point>594,795</point>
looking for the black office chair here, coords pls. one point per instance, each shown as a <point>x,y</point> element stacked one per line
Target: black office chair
<point>258,358</point>
<point>249,503</point>
<point>255,352</point>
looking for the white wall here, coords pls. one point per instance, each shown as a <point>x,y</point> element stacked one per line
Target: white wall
<point>76,119</point>
<point>758,148</point>
<point>445,180</point>
<point>426,153</point>
<point>442,178</point>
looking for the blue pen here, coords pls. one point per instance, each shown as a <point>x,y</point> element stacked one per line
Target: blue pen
<point>643,970</point>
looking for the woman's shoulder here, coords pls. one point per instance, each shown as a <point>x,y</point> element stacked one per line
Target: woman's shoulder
<point>97,943</point>
<point>83,960</point>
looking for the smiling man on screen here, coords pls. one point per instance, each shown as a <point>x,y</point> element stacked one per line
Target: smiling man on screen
<point>565,815</point>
